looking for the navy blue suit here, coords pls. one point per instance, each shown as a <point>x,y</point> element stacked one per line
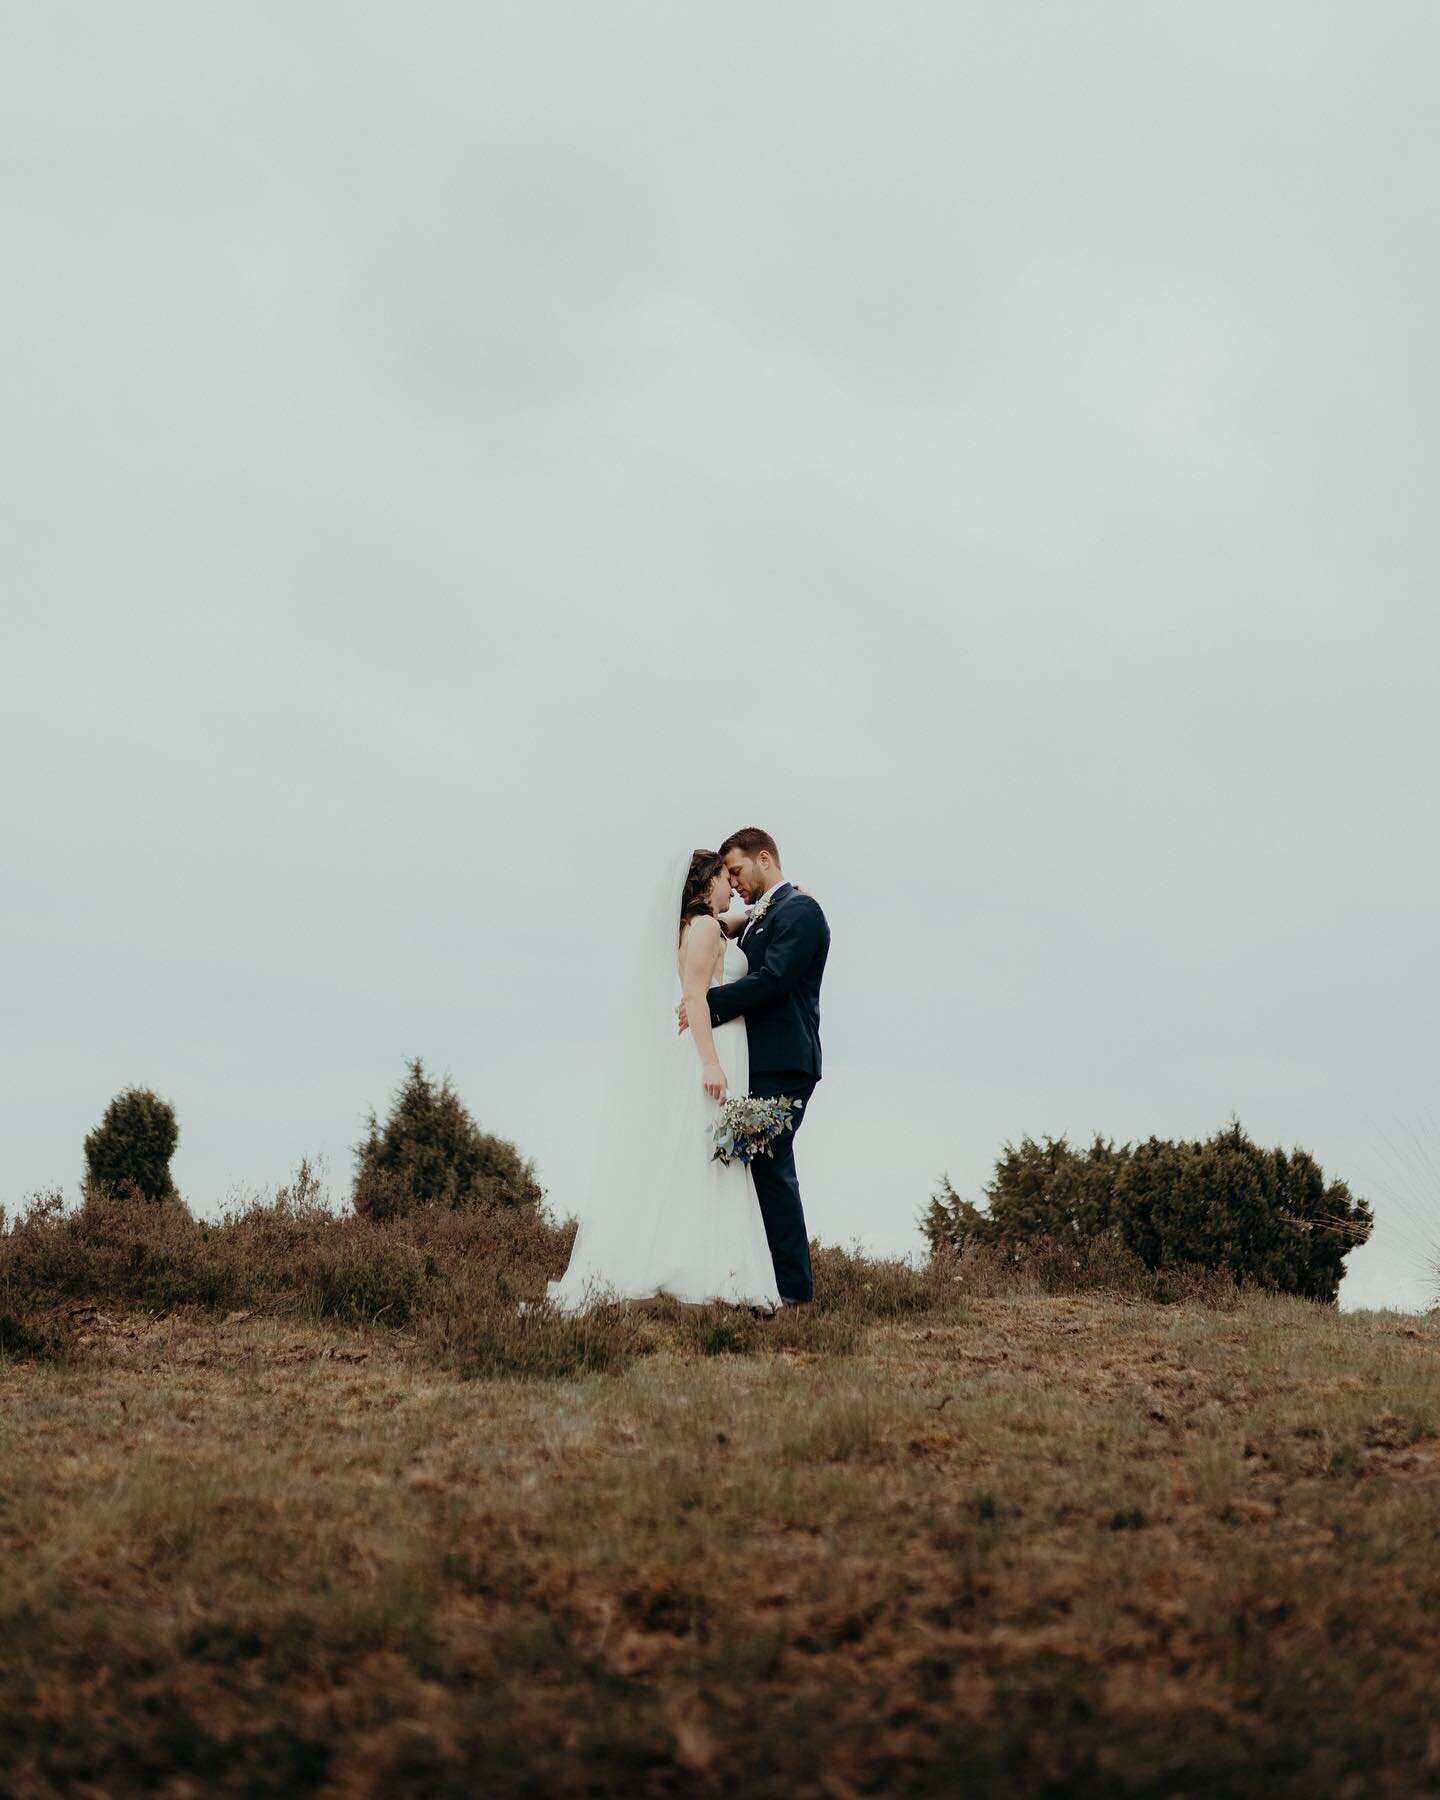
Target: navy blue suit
<point>780,1001</point>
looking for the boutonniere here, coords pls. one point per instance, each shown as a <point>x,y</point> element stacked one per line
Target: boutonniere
<point>761,907</point>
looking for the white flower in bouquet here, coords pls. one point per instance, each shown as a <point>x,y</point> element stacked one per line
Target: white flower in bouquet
<point>747,1126</point>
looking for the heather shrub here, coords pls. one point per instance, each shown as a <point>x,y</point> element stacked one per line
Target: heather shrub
<point>33,1257</point>
<point>28,1336</point>
<point>1224,1205</point>
<point>718,1330</point>
<point>293,1253</point>
<point>117,1245</point>
<point>289,1253</point>
<point>809,1331</point>
<point>872,1288</point>
<point>133,1144</point>
<point>431,1153</point>
<point>524,1245</point>
<point>355,1274</point>
<point>492,1338</point>
<point>151,1254</point>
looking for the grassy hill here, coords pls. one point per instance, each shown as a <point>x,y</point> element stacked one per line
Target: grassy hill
<point>946,1534</point>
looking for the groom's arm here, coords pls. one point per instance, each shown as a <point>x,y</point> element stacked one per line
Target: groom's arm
<point>790,947</point>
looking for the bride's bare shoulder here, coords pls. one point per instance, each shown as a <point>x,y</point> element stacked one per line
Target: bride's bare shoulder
<point>700,942</point>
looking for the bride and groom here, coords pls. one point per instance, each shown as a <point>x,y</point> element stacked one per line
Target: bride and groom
<point>662,1216</point>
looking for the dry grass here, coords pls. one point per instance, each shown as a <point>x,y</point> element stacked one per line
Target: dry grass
<point>946,1532</point>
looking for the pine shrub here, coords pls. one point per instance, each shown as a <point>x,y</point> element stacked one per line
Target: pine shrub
<point>1225,1204</point>
<point>132,1145</point>
<point>431,1153</point>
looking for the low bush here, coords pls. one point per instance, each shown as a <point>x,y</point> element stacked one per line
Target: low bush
<point>289,1254</point>
<point>1223,1205</point>
<point>117,1245</point>
<point>470,1284</point>
<point>27,1336</point>
<point>873,1288</point>
<point>812,1331</point>
<point>492,1337</point>
<point>1095,1265</point>
<point>718,1330</point>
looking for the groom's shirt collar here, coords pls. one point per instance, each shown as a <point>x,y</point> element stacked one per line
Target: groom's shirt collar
<point>770,895</point>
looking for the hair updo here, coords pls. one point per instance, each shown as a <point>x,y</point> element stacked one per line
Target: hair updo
<point>705,865</point>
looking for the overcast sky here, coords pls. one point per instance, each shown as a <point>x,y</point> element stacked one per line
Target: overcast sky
<point>451,453</point>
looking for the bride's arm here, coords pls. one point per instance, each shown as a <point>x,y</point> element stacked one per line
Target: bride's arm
<point>702,940</point>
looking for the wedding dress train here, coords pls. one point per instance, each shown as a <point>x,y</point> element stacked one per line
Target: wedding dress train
<point>667,1218</point>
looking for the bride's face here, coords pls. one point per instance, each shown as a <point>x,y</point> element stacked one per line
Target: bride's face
<point>718,898</point>
<point>745,874</point>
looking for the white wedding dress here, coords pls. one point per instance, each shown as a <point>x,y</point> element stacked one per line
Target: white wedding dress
<point>665,1217</point>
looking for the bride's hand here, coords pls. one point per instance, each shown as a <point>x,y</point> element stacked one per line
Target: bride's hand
<point>713,1077</point>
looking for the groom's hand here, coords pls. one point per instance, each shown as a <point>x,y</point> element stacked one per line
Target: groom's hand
<point>680,1015</point>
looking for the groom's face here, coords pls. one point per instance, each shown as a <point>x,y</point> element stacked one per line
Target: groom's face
<point>746,875</point>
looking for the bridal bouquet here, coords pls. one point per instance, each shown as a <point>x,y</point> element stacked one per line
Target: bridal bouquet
<point>746,1127</point>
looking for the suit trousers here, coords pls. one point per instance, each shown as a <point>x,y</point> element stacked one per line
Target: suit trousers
<point>778,1186</point>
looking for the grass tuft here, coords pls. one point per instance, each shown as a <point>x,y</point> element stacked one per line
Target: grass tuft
<point>491,1338</point>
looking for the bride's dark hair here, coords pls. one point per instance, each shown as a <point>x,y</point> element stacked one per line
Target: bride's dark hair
<point>705,865</point>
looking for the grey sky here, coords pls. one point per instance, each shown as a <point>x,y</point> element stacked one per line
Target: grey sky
<point>449,453</point>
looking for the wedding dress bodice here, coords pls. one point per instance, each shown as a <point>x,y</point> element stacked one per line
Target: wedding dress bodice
<point>733,964</point>
<point>737,963</point>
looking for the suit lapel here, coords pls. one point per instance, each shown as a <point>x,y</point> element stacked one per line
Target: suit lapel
<point>778,894</point>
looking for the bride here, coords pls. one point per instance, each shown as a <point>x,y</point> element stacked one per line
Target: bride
<point>661,1216</point>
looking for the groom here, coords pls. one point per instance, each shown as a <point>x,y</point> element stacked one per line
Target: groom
<point>787,941</point>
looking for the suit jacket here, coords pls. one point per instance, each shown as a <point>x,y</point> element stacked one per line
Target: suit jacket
<point>780,997</point>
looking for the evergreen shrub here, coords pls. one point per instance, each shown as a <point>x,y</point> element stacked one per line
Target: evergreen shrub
<point>1222,1204</point>
<point>132,1145</point>
<point>431,1153</point>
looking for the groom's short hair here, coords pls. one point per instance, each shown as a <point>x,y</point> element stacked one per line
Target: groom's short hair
<point>751,842</point>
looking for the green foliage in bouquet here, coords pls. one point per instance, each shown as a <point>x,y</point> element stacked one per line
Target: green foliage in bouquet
<point>748,1126</point>
<point>132,1145</point>
<point>1222,1204</point>
<point>430,1152</point>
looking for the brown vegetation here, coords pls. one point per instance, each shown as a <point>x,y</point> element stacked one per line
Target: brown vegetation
<point>327,1513</point>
